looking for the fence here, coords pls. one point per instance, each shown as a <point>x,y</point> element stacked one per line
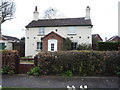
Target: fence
<point>12,61</point>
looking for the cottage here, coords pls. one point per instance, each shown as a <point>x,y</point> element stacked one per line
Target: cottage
<point>6,42</point>
<point>48,34</point>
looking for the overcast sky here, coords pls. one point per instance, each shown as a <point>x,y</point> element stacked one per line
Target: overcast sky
<point>104,15</point>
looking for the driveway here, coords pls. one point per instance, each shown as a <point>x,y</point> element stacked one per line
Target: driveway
<point>25,81</point>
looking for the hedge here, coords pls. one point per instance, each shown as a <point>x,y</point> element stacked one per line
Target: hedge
<point>104,46</point>
<point>9,61</point>
<point>80,63</point>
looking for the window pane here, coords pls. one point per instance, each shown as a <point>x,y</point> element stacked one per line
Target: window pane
<point>71,30</point>
<point>52,47</point>
<point>39,45</point>
<point>41,31</point>
<point>74,45</point>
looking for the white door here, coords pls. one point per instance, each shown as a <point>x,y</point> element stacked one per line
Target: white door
<point>52,45</point>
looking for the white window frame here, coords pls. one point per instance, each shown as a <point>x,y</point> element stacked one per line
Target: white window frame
<point>41,31</point>
<point>71,30</point>
<point>52,41</point>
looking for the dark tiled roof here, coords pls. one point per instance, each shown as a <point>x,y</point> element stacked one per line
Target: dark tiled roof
<point>97,36</point>
<point>114,38</point>
<point>60,22</point>
<point>10,38</point>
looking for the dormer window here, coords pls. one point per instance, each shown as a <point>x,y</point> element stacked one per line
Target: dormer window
<point>71,31</point>
<point>41,31</point>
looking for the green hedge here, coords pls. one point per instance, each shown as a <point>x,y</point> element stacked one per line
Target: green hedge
<point>10,60</point>
<point>104,46</point>
<point>82,63</point>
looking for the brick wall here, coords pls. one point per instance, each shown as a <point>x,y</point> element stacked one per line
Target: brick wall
<point>52,35</point>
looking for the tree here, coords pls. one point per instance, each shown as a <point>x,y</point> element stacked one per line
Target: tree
<point>52,13</point>
<point>94,43</point>
<point>7,9</point>
<point>66,44</point>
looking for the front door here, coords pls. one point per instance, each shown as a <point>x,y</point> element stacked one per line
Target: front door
<point>52,45</point>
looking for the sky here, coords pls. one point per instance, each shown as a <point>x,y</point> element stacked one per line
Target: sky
<point>104,15</point>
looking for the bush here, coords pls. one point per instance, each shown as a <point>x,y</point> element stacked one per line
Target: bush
<point>34,71</point>
<point>66,44</point>
<point>118,71</point>
<point>6,70</point>
<point>10,60</point>
<point>82,63</point>
<point>104,46</point>
<point>67,73</point>
<point>84,46</point>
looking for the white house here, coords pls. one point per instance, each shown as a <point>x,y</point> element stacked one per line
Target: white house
<point>48,34</point>
<point>6,42</point>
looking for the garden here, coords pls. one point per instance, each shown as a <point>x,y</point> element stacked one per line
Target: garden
<point>82,63</point>
<point>68,63</point>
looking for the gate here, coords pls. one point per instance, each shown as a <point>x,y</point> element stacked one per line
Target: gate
<point>25,64</point>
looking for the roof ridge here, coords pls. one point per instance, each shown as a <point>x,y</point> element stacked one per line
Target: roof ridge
<point>61,18</point>
<point>60,22</point>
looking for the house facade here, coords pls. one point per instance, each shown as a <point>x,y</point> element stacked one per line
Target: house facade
<point>97,37</point>
<point>6,42</point>
<point>48,34</point>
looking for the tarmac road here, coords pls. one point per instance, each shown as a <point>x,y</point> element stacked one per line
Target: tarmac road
<point>25,81</point>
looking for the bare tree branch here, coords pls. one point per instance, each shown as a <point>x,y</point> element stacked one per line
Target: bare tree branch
<point>50,13</point>
<point>7,9</point>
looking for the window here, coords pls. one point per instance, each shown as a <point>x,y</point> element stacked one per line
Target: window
<point>72,30</point>
<point>41,31</point>
<point>74,45</point>
<point>52,47</point>
<point>39,45</point>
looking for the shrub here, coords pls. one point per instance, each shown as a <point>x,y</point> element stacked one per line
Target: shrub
<point>118,71</point>
<point>10,59</point>
<point>82,63</point>
<point>66,44</point>
<point>84,46</point>
<point>6,70</point>
<point>34,71</point>
<point>104,46</point>
<point>67,73</point>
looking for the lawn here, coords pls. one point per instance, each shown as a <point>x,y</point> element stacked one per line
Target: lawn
<point>26,61</point>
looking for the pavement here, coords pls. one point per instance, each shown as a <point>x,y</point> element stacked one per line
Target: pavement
<point>25,81</point>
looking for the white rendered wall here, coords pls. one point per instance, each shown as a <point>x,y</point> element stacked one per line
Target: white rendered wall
<point>31,44</point>
<point>7,44</point>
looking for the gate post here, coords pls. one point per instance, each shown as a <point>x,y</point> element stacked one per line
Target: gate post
<point>17,62</point>
<point>36,60</point>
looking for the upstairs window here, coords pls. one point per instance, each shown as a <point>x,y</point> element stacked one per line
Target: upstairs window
<point>41,31</point>
<point>71,31</point>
